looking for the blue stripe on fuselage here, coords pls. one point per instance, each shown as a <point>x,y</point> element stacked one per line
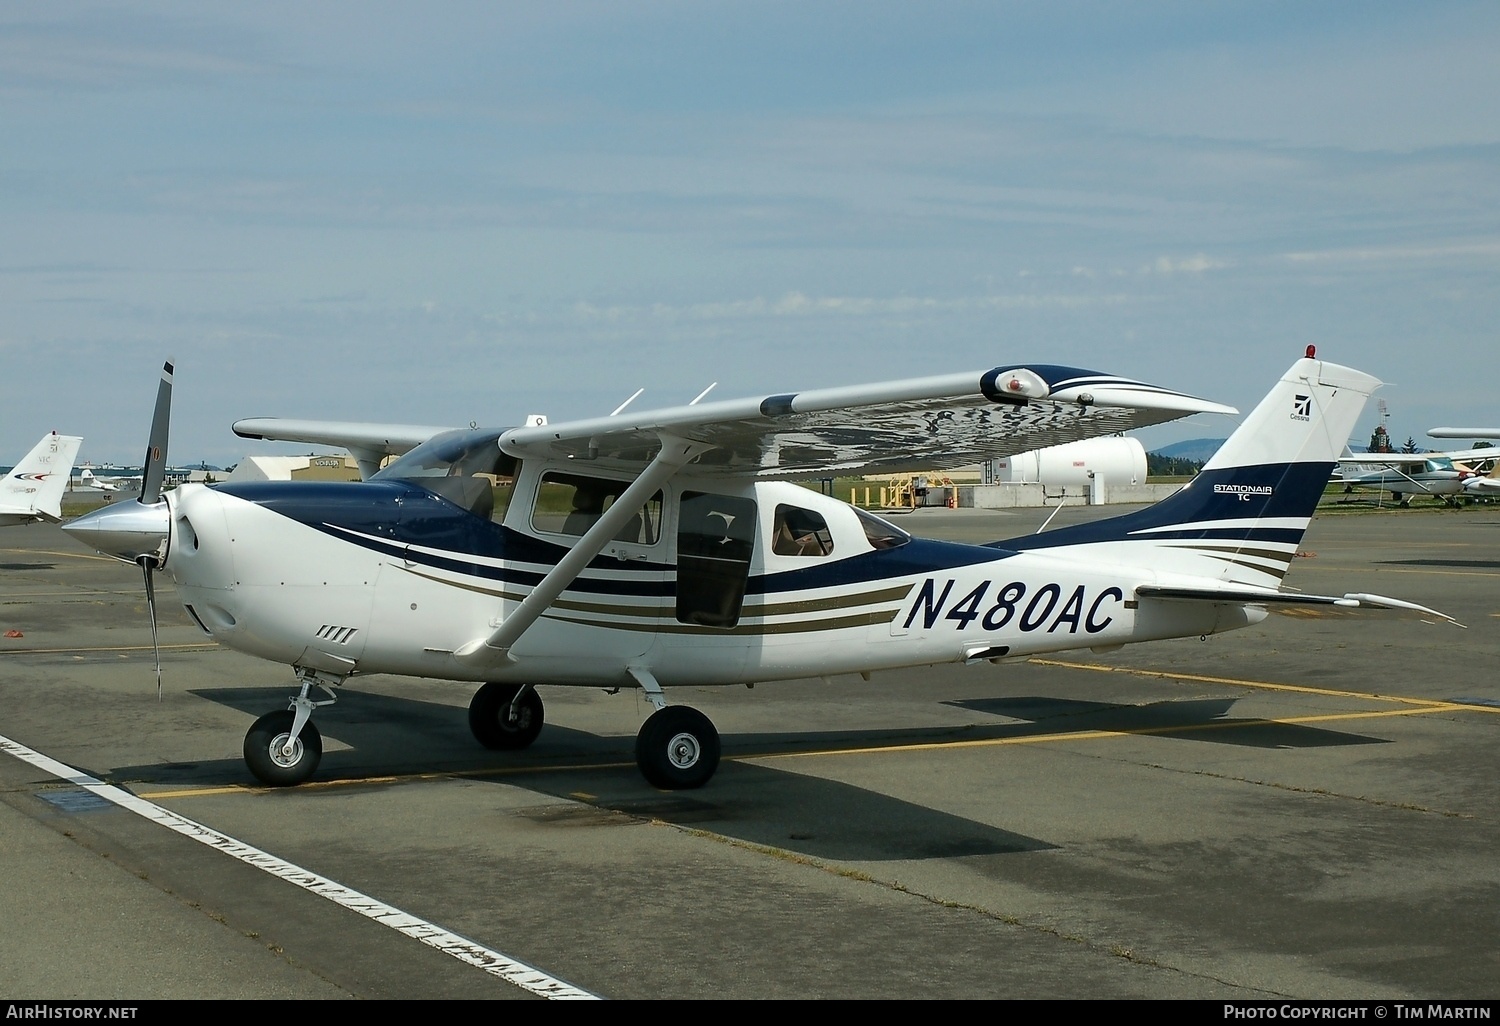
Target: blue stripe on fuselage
<point>389,516</point>
<point>916,557</point>
<point>392,515</point>
<point>1198,510</point>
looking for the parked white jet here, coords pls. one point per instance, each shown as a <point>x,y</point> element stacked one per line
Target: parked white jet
<point>88,480</point>
<point>33,490</point>
<point>668,547</point>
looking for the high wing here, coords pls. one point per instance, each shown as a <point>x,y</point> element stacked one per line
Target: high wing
<point>949,420</point>
<point>368,443</point>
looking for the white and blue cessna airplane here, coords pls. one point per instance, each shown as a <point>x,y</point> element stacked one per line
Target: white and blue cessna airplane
<point>669,547</point>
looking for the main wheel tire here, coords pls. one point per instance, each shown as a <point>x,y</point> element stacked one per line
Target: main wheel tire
<point>677,749</point>
<point>264,755</point>
<point>490,718</point>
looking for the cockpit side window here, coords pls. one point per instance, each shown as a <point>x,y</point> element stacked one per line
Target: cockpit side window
<point>467,468</point>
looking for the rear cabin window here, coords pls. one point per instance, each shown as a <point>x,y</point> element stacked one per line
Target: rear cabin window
<point>800,532</point>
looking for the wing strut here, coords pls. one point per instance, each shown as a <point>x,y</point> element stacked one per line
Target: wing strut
<point>675,453</point>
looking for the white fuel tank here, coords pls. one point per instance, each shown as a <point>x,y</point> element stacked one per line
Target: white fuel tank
<point>1117,460</point>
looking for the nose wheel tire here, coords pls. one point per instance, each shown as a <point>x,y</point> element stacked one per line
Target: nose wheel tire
<point>677,749</point>
<point>490,718</point>
<point>268,756</point>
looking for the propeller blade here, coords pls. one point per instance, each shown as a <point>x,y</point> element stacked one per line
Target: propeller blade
<point>151,610</point>
<point>154,467</point>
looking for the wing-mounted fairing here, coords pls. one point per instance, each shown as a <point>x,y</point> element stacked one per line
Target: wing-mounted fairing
<point>914,424</point>
<point>370,444</point>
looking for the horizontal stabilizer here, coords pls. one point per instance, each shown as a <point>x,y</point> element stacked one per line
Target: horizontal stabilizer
<point>1283,601</point>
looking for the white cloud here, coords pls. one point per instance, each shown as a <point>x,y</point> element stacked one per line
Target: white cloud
<point>1196,264</point>
<point>1482,248</point>
<point>797,304</point>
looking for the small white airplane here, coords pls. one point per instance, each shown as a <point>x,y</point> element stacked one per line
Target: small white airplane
<point>88,480</point>
<point>1485,483</point>
<point>1444,475</point>
<point>33,490</point>
<point>670,547</point>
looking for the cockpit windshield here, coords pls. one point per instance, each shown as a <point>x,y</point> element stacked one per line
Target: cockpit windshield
<point>452,454</point>
<point>464,467</point>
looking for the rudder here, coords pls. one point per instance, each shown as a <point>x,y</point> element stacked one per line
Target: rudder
<point>36,485</point>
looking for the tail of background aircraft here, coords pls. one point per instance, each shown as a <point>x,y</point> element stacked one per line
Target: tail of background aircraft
<point>1241,519</point>
<point>89,480</point>
<point>34,489</point>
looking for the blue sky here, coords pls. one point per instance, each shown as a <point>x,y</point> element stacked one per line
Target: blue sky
<point>456,212</point>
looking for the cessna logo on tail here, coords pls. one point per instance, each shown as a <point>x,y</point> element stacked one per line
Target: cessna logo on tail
<point>1243,491</point>
<point>1302,407</point>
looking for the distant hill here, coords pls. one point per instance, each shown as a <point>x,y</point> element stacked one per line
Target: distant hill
<point>1194,450</point>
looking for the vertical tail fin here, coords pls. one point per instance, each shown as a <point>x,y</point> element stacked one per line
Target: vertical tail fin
<point>34,489</point>
<point>1241,519</point>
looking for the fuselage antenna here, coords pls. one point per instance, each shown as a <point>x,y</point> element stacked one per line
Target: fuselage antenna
<point>627,402</point>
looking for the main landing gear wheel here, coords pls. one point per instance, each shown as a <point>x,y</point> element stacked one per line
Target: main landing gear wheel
<point>264,753</point>
<point>491,721</point>
<point>677,749</point>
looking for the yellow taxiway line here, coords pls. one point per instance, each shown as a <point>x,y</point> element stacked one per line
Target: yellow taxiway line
<point>1415,707</point>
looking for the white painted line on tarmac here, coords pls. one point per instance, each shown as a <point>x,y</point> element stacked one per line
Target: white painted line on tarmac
<point>495,963</point>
